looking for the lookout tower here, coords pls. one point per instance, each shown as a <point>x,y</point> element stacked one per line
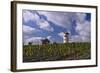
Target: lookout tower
<point>66,37</point>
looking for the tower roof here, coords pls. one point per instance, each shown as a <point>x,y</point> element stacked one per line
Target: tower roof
<point>66,32</point>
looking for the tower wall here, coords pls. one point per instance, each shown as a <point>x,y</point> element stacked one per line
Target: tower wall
<point>66,38</point>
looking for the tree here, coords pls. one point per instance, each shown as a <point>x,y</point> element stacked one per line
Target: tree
<point>30,43</point>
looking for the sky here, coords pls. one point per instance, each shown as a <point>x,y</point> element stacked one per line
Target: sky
<point>39,25</point>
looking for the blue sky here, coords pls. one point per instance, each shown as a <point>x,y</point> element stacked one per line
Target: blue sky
<point>38,25</point>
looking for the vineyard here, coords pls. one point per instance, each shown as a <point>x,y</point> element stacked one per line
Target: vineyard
<point>55,52</point>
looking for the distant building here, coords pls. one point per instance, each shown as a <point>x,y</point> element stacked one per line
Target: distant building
<point>45,41</point>
<point>66,37</point>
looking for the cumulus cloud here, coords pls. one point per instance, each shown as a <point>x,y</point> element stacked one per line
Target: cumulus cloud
<point>41,22</point>
<point>60,19</point>
<point>81,17</point>
<point>83,28</point>
<point>61,34</point>
<point>34,40</point>
<point>63,19</point>
<point>76,38</point>
<point>49,37</point>
<point>27,16</point>
<point>28,29</point>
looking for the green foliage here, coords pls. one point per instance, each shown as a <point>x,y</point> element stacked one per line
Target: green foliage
<point>53,52</point>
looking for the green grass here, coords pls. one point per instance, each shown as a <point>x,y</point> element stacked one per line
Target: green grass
<point>54,52</point>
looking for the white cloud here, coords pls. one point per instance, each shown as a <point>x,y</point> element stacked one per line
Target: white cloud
<point>81,17</point>
<point>83,28</point>
<point>61,19</point>
<point>65,20</point>
<point>43,24</point>
<point>25,36</point>
<point>76,38</point>
<point>49,37</point>
<point>28,29</point>
<point>61,34</point>
<point>34,40</point>
<point>27,16</point>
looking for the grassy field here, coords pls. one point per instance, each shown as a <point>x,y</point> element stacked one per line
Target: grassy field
<point>55,52</point>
